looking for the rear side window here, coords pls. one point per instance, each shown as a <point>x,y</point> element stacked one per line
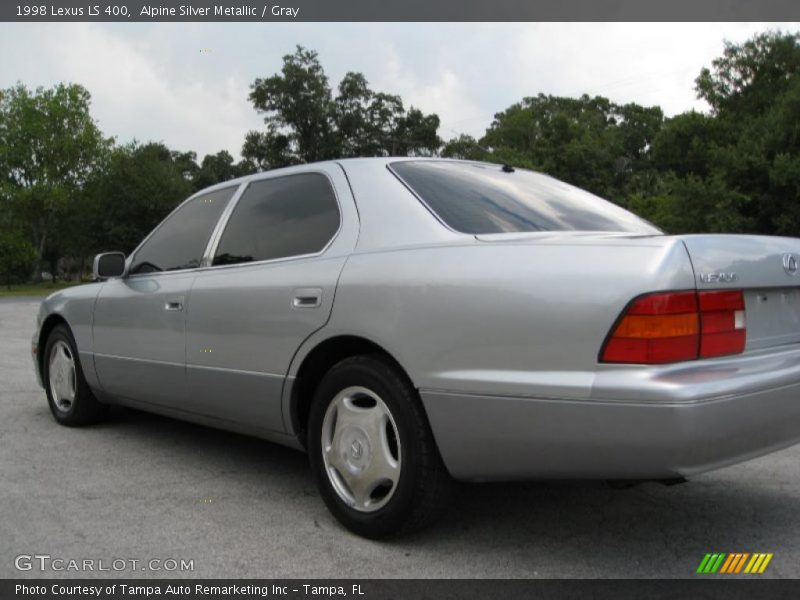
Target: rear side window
<point>481,198</point>
<point>180,241</point>
<point>279,218</point>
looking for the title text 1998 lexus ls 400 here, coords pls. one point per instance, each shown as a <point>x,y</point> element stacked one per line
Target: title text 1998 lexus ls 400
<point>409,321</point>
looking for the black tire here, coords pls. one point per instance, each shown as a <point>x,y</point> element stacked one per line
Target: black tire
<point>423,487</point>
<point>85,409</point>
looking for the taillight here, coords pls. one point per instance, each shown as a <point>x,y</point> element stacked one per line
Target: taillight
<point>722,323</point>
<point>670,327</point>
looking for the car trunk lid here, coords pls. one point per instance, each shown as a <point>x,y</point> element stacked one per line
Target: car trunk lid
<point>766,269</point>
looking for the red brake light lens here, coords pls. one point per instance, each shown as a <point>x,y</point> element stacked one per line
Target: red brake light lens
<point>670,327</point>
<point>669,303</point>
<point>723,324</point>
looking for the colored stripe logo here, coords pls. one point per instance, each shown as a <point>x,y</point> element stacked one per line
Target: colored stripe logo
<point>735,563</point>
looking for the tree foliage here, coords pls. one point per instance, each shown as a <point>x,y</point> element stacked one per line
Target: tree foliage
<point>749,147</point>
<point>140,186</point>
<point>305,122</point>
<point>49,147</point>
<point>736,169</point>
<point>747,78</point>
<point>588,141</point>
<point>219,167</point>
<point>67,191</point>
<point>17,257</point>
<point>465,147</point>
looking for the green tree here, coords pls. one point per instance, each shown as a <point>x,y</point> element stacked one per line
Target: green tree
<point>748,77</point>
<point>140,186</point>
<point>49,146</point>
<point>736,169</point>
<point>17,256</point>
<point>269,149</point>
<point>371,123</point>
<point>693,204</point>
<point>465,147</point>
<point>588,141</point>
<point>686,144</point>
<point>298,100</point>
<point>754,93</point>
<point>219,167</point>
<point>415,134</point>
<point>356,116</point>
<point>186,163</point>
<point>306,123</point>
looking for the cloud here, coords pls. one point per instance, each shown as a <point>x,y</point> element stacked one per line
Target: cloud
<point>646,63</point>
<point>138,94</point>
<point>441,91</point>
<point>152,82</point>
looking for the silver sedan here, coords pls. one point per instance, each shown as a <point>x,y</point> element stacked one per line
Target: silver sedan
<point>408,322</point>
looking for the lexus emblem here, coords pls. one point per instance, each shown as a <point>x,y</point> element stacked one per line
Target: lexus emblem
<point>356,449</point>
<point>789,263</point>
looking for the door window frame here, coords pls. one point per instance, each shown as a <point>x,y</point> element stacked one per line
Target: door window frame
<point>130,261</point>
<point>216,236</point>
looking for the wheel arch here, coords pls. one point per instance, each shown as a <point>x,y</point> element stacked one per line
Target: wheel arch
<point>318,361</point>
<point>52,321</point>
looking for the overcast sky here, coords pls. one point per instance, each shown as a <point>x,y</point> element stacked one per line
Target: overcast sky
<point>186,84</point>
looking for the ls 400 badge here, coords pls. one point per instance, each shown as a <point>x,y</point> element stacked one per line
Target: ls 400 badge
<point>717,277</point>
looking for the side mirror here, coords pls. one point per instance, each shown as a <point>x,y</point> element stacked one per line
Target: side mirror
<point>108,264</point>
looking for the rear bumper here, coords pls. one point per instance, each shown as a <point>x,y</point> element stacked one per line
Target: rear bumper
<point>637,423</point>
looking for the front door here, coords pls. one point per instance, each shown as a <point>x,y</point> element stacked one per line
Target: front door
<point>139,336</point>
<point>139,324</point>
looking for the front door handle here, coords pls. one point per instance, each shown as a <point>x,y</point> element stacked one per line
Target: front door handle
<point>175,305</point>
<point>307,298</point>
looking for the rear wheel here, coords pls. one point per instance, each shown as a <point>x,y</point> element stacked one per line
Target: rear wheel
<point>372,451</point>
<point>71,401</point>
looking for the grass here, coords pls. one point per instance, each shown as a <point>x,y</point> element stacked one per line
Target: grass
<point>36,289</point>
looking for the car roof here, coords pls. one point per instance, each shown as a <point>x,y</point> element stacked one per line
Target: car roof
<point>377,161</point>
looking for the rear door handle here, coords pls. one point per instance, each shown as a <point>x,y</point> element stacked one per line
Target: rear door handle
<point>307,298</point>
<point>174,305</point>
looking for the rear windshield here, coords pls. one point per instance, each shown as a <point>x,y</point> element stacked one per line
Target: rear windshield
<point>481,198</point>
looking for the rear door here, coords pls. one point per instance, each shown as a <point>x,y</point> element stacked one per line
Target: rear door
<point>270,286</point>
<point>140,319</point>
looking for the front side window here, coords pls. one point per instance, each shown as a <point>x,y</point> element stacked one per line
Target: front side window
<point>278,218</point>
<point>482,198</point>
<point>180,240</point>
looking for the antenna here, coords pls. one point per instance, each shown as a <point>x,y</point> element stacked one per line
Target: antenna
<point>474,141</point>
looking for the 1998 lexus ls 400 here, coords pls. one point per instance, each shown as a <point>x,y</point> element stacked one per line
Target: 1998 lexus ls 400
<point>412,321</point>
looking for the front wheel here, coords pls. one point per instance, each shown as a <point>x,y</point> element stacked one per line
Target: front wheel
<point>372,450</point>
<point>71,401</point>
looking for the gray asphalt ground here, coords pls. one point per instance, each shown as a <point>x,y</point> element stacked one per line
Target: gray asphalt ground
<point>142,486</point>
